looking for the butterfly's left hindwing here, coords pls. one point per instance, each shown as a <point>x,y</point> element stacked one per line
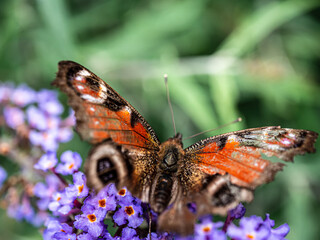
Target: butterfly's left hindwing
<point>107,164</point>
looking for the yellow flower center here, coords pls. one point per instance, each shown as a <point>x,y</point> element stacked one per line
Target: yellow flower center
<point>80,189</point>
<point>91,217</point>
<point>206,229</point>
<point>71,166</point>
<point>122,192</point>
<point>102,203</point>
<point>129,210</point>
<point>250,236</point>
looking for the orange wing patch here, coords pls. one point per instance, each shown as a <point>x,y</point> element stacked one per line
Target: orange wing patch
<point>104,123</point>
<point>242,163</point>
<point>241,154</point>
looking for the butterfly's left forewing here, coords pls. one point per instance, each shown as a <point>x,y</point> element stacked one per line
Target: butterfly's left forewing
<point>100,111</point>
<point>102,114</point>
<point>228,167</point>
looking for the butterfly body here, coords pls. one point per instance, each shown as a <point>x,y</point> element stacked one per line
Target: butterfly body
<point>215,173</point>
<point>166,179</point>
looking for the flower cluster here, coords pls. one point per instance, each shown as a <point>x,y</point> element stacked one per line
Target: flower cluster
<point>254,227</point>
<point>66,209</point>
<point>249,228</point>
<point>79,214</point>
<point>35,116</point>
<point>31,124</point>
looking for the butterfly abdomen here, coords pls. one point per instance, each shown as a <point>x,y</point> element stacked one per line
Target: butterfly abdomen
<point>162,193</point>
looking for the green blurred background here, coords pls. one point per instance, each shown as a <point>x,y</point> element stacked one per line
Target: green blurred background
<point>258,60</point>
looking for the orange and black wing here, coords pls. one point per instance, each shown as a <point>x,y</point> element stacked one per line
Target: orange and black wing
<point>225,169</point>
<point>102,114</point>
<point>100,111</point>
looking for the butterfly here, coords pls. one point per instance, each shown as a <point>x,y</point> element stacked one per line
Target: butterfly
<point>215,173</point>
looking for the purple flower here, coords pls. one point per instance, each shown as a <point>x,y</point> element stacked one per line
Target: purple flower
<point>23,95</point>
<point>6,90</point>
<point>70,120</point>
<point>3,175</point>
<point>52,107</point>
<point>47,161</point>
<point>238,212</point>
<point>110,190</point>
<point>64,236</point>
<point>129,214</point>
<point>214,235</point>
<point>39,218</point>
<point>71,163</point>
<point>79,189</point>
<point>36,118</point>
<point>65,233</point>
<point>57,230</point>
<point>279,232</point>
<point>48,140</point>
<point>52,226</point>
<point>53,122</point>
<point>155,236</point>
<point>25,210</point>
<point>90,221</point>
<point>45,95</point>
<point>61,203</point>
<point>35,137</point>
<point>128,234</point>
<point>208,230</point>
<point>107,236</point>
<point>249,228</point>
<point>48,102</point>
<point>13,116</point>
<point>105,199</point>
<point>55,203</point>
<point>65,134</point>
<point>45,191</point>
<point>13,210</point>
<point>85,236</point>
<point>124,196</point>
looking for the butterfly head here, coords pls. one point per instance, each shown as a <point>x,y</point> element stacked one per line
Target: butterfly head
<point>170,153</point>
<point>174,141</point>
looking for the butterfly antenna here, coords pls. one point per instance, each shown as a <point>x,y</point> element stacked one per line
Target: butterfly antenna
<point>169,102</point>
<point>222,126</point>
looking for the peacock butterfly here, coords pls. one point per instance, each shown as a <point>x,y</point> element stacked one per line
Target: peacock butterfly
<point>215,173</point>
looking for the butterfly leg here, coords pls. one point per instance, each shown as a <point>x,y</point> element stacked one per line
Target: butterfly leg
<point>150,222</point>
